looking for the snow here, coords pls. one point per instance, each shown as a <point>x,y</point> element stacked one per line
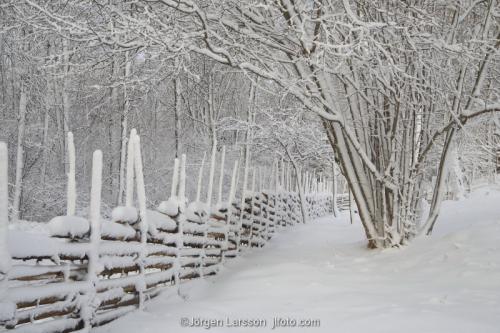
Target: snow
<point>124,214</point>
<point>41,245</point>
<point>169,207</point>
<point>221,174</point>
<point>68,226</point>
<point>117,230</point>
<point>449,282</point>
<point>232,191</point>
<point>200,178</point>
<point>95,217</point>
<point>71,187</point>
<point>30,227</point>
<point>197,211</point>
<point>211,174</point>
<point>182,182</point>
<point>157,220</point>
<point>7,311</point>
<point>129,198</point>
<point>175,178</point>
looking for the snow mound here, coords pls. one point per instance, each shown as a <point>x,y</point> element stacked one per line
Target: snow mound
<point>117,230</point>
<point>169,207</point>
<point>158,221</point>
<point>197,211</point>
<point>124,214</point>
<point>222,207</point>
<point>30,226</point>
<point>69,226</point>
<point>7,311</point>
<point>24,244</point>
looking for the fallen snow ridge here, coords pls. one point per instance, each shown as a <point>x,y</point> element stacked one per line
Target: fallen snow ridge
<point>449,282</point>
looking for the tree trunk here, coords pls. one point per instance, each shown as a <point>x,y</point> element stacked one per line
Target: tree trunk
<point>177,112</point>
<point>21,124</point>
<point>66,102</point>
<point>124,132</point>
<point>334,190</point>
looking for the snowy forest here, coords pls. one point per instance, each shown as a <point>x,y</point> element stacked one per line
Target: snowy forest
<point>381,113</point>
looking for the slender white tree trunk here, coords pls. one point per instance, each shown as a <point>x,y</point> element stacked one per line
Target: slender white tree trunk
<point>21,125</point>
<point>71,187</point>
<point>177,111</point>
<point>211,174</point>
<point>334,189</point>
<point>124,132</point>
<point>65,100</point>
<point>45,144</point>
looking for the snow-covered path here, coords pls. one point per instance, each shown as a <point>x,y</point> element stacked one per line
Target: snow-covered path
<point>447,283</point>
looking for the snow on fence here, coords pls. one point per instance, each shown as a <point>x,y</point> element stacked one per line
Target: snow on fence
<point>88,272</point>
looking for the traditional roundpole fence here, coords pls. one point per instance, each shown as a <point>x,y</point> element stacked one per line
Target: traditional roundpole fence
<point>90,271</point>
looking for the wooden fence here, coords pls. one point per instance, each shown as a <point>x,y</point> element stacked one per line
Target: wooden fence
<point>88,272</point>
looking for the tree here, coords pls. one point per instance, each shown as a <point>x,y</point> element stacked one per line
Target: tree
<point>380,80</point>
<point>392,83</point>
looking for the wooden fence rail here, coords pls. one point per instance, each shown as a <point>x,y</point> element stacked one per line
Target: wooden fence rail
<point>85,273</point>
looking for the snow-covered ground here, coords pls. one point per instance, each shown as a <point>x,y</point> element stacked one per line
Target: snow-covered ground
<point>449,282</point>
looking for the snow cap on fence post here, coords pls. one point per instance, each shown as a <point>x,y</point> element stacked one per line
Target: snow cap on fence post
<point>289,173</point>
<point>259,169</point>
<point>282,175</point>
<point>221,175</point>
<point>200,176</point>
<point>175,178</point>
<point>5,262</point>
<point>129,198</point>
<point>182,184</point>
<point>245,176</point>
<point>304,181</point>
<point>271,175</point>
<point>211,174</point>
<point>71,186</point>
<point>254,169</point>
<point>276,176</point>
<point>232,191</point>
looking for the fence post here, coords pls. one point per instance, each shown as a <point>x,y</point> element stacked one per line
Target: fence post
<point>143,223</point>
<point>220,207</point>
<point>230,199</point>
<point>221,175</point>
<point>88,310</point>
<point>252,216</point>
<point>179,244</point>
<point>4,212</point>
<point>129,197</point>
<point>242,205</point>
<point>211,177</point>
<point>8,310</point>
<point>71,186</point>
<point>174,199</point>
